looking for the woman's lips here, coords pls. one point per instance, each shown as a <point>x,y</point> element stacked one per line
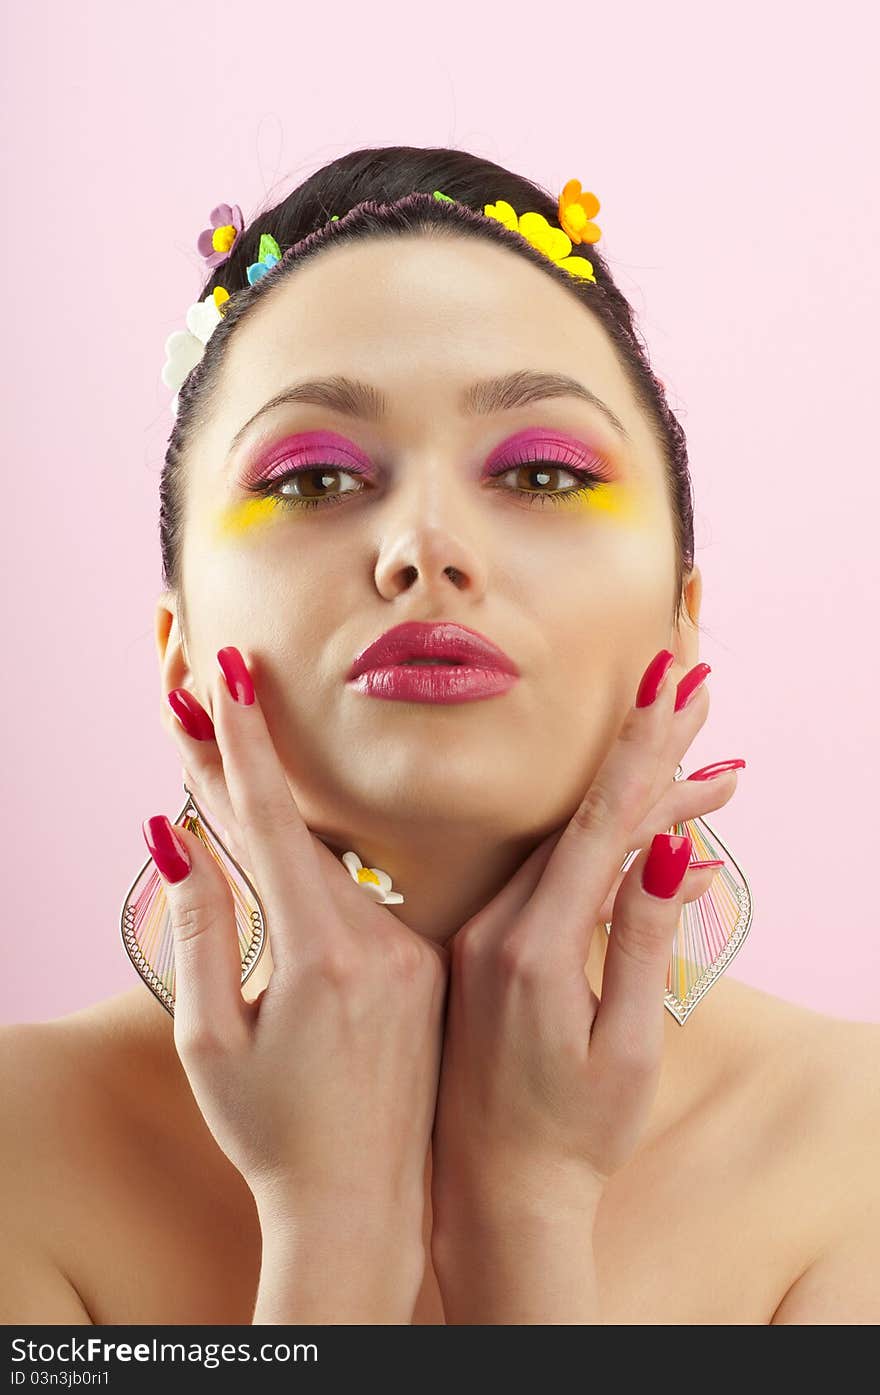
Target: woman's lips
<point>443,683</point>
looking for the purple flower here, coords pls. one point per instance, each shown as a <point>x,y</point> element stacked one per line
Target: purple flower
<point>216,242</point>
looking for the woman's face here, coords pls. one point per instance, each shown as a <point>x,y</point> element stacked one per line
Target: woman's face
<point>435,513</point>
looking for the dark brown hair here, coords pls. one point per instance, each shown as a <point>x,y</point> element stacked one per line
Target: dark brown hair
<point>358,188</point>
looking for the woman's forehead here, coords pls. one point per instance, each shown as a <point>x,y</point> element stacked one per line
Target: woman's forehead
<point>420,319</point>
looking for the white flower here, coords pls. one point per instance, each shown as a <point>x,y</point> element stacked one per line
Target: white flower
<point>377,883</point>
<point>185,347</point>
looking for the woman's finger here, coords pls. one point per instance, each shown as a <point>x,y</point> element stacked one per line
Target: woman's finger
<point>681,802</point>
<point>279,843</point>
<point>628,1028</point>
<point>589,854</point>
<point>208,1004</point>
<point>195,737</point>
<point>193,733</point>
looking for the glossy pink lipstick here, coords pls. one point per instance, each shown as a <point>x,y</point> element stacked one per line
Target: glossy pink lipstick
<point>467,666</point>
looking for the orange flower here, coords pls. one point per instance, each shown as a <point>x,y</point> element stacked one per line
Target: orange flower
<point>575,211</point>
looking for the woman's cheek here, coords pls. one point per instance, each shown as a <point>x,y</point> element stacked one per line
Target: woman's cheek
<point>615,500</point>
<point>246,517</point>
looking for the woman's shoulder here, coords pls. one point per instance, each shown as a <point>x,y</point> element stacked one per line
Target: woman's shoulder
<point>105,1163</point>
<point>815,1128</point>
<point>825,1063</point>
<point>813,1079</point>
<point>77,1090</point>
<point>51,1077</point>
<point>46,1063</point>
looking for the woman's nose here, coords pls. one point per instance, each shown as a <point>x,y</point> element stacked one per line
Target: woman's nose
<point>430,558</point>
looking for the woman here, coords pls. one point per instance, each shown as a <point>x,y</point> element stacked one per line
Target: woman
<point>470,1106</point>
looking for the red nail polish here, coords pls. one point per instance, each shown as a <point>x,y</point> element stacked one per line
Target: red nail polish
<point>689,685</point>
<point>166,850</point>
<point>238,680</point>
<point>708,862</point>
<point>653,677</point>
<point>667,863</point>
<point>708,772</point>
<point>191,715</point>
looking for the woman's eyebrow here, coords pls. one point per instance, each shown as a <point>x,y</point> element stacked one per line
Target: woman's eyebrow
<point>497,394</point>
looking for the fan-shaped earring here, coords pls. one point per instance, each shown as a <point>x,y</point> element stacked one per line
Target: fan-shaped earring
<point>147,932</point>
<point>711,930</point>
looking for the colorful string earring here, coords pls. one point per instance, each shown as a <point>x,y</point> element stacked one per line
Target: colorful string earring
<point>709,933</point>
<point>147,932</point>
<point>711,930</point>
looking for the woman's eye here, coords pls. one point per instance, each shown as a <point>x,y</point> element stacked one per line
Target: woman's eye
<point>311,487</point>
<point>535,481</point>
<point>541,480</point>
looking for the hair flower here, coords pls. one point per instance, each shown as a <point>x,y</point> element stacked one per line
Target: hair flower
<point>216,242</point>
<point>184,348</point>
<point>575,211</point>
<point>270,254</point>
<point>551,242</point>
<point>377,883</point>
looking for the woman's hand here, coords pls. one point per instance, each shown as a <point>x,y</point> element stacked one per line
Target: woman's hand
<point>322,1091</point>
<point>545,1091</point>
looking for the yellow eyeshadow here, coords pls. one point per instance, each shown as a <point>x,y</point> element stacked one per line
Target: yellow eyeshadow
<point>246,516</point>
<point>617,500</point>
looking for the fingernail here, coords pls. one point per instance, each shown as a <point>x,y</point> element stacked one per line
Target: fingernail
<point>166,850</point>
<point>191,715</point>
<point>238,680</point>
<point>689,685</point>
<point>667,863</point>
<point>653,677</point>
<point>708,772</point>
<point>708,862</point>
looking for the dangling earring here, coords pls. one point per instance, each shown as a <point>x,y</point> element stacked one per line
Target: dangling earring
<point>147,933</point>
<point>711,930</point>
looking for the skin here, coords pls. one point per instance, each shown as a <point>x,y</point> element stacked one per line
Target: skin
<point>421,789</point>
<point>449,801</point>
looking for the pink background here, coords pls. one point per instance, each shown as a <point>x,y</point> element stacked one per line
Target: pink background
<point>733,154</point>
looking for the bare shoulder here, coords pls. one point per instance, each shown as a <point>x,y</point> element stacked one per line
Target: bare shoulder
<point>60,1080</point>
<point>817,1096</point>
<point>62,1083</point>
<point>831,1120</point>
<point>39,1090</point>
<point>820,1072</point>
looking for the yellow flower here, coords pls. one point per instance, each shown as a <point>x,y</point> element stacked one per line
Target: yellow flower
<point>552,242</point>
<point>221,295</point>
<point>503,212</point>
<point>575,211</point>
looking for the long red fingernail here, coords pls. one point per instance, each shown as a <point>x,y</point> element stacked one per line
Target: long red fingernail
<point>191,715</point>
<point>689,685</point>
<point>708,772</point>
<point>235,671</point>
<point>667,863</point>
<point>653,677</point>
<point>166,850</point>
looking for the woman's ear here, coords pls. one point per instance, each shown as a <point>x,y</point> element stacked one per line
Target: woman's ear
<point>687,634</point>
<point>693,594</point>
<point>171,648</point>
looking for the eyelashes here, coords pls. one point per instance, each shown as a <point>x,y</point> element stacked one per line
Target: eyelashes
<point>537,465</point>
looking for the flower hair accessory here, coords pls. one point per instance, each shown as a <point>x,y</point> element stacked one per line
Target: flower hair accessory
<point>377,883</point>
<point>216,242</point>
<point>185,348</point>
